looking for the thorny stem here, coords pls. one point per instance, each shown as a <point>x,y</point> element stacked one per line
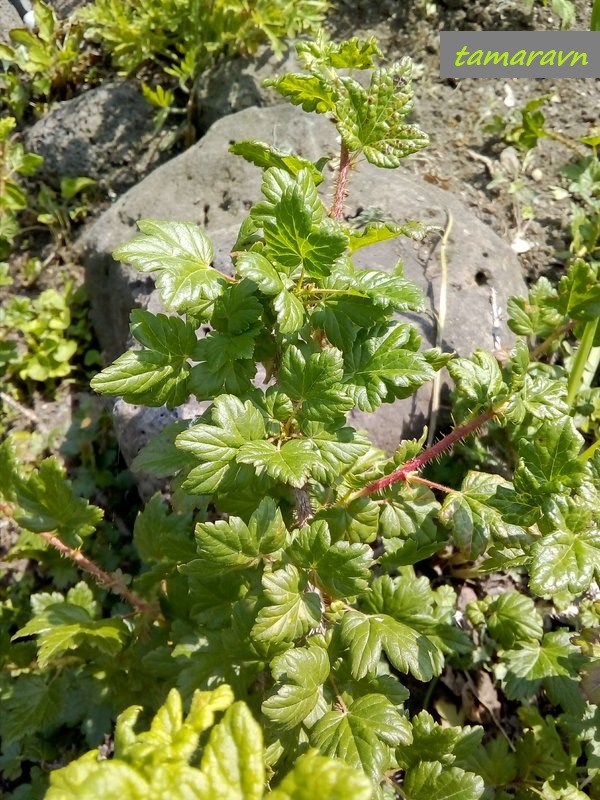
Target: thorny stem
<point>341,184</point>
<point>403,473</point>
<point>431,484</point>
<point>105,579</point>
<point>110,582</point>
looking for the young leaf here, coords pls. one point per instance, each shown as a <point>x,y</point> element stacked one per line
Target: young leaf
<point>233,757</point>
<point>478,381</point>
<point>326,778</point>
<point>372,121</point>
<point>265,156</point>
<point>300,674</point>
<point>376,232</point>
<point>180,254</point>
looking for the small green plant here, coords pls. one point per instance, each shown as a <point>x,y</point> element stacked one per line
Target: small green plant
<point>44,65</point>
<point>183,39</point>
<point>297,568</point>
<point>14,162</point>
<point>35,343</point>
<point>58,210</point>
<point>564,9</point>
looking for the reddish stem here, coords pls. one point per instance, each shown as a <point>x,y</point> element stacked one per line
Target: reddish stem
<point>402,473</point>
<point>103,578</point>
<point>341,184</point>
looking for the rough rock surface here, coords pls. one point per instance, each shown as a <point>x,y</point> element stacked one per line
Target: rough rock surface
<point>208,186</point>
<point>9,19</point>
<point>103,133</point>
<point>236,84</point>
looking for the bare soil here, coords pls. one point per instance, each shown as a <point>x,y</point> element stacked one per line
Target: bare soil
<point>463,155</point>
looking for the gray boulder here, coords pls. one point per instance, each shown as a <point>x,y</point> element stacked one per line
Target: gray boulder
<point>236,84</point>
<point>104,133</point>
<point>209,186</point>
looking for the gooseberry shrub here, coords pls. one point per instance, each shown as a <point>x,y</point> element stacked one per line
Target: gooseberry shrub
<point>286,594</point>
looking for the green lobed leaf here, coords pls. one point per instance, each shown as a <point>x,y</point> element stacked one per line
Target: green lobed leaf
<point>564,560</point>
<point>289,310</point>
<point>314,385</point>
<point>367,635</point>
<point>66,626</point>
<point>579,291</point>
<point>293,238</point>
<point>312,92</point>
<point>407,525</point>
<point>47,502</point>
<point>431,780</point>
<point>257,268</point>
<point>227,545</point>
<point>265,156</point>
<point>340,569</point>
<point>376,232</point>
<point>292,609</point>
<point>372,121</point>
<point>157,375</point>
<point>473,522</point>
<point>299,674</point>
<point>180,254</point>
<point>513,619</point>
<point>291,463</point>
<point>160,536</point>
<point>382,366</point>
<point>478,381</point>
<point>216,445</point>
<point>535,663</point>
<point>434,742</point>
<point>337,450</point>
<point>362,733</point>
<point>33,703</point>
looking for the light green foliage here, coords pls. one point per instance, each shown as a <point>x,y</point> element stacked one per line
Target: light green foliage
<point>36,340</point>
<point>41,65</point>
<point>183,39</point>
<point>14,161</point>
<point>297,568</point>
<point>164,761</point>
